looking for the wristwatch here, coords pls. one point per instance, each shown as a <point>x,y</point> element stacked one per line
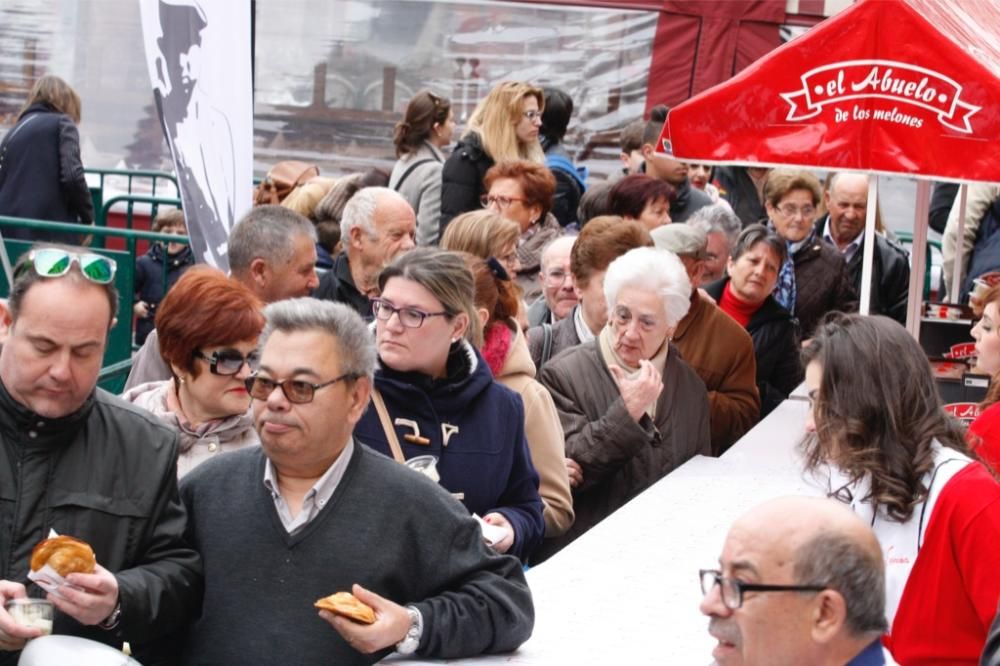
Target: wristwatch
<point>111,621</point>
<point>411,641</point>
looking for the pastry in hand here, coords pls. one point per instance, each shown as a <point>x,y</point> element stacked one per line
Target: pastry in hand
<point>65,555</point>
<point>346,604</point>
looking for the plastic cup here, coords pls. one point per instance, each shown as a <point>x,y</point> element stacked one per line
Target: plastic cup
<point>426,465</point>
<point>33,613</point>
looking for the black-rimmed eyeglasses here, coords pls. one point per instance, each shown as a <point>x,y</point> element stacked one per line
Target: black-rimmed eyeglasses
<point>732,589</point>
<point>408,317</point>
<point>229,362</point>
<point>296,390</point>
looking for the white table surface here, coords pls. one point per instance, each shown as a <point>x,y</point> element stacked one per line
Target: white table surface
<point>627,591</point>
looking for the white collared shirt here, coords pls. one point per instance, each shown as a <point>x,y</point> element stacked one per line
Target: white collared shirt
<point>315,499</point>
<point>851,248</point>
<point>582,330</point>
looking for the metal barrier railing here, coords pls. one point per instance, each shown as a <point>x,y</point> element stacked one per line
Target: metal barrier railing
<point>156,178</point>
<point>130,200</point>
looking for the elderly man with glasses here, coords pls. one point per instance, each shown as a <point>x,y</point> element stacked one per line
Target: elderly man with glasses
<point>311,513</point>
<point>79,462</point>
<point>801,581</point>
<point>558,295</point>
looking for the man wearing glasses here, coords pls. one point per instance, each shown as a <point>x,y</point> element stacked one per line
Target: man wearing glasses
<point>801,581</point>
<point>311,513</point>
<point>80,462</point>
<point>558,295</point>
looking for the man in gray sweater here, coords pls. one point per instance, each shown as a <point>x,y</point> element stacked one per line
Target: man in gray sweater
<point>310,513</point>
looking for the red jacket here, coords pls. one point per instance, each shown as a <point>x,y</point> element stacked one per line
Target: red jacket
<point>951,595</point>
<point>984,436</point>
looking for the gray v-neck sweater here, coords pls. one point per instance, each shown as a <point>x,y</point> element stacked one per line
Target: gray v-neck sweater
<point>387,528</point>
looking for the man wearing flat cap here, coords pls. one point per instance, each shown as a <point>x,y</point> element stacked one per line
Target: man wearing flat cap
<point>717,348</point>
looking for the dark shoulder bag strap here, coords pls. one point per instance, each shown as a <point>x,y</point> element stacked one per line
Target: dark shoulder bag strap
<point>406,174</point>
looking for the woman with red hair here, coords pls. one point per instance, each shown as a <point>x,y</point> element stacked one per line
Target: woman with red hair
<point>208,327</point>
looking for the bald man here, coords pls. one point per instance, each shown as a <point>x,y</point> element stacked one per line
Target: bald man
<point>558,296</point>
<point>802,581</point>
<point>844,227</point>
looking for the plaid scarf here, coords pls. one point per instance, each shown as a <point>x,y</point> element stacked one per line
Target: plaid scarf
<point>784,293</point>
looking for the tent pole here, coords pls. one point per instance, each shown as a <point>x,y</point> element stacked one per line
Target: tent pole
<point>918,260</point>
<point>956,273</point>
<point>869,246</point>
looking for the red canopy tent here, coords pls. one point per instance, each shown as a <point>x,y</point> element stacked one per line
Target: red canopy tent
<point>892,86</point>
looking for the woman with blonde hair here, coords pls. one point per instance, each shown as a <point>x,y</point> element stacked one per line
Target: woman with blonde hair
<point>503,127</point>
<point>485,234</point>
<point>41,173</point>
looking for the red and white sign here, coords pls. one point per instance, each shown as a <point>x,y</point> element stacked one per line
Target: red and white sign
<point>893,86</point>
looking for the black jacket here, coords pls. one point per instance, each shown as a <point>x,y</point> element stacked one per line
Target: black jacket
<point>41,175</point>
<point>775,346</point>
<point>337,285</point>
<point>462,178</point>
<point>736,187</point>
<point>149,282</point>
<point>106,474</point>
<point>822,284</point>
<point>890,275</point>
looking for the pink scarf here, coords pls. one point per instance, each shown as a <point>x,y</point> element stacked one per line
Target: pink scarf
<point>496,346</point>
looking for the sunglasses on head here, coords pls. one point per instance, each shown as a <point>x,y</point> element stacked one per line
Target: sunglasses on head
<point>53,262</point>
<point>229,362</point>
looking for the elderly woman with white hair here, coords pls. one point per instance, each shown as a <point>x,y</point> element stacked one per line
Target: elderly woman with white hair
<point>631,409</point>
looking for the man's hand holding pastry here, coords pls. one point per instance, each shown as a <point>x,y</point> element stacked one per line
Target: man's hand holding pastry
<point>391,624</point>
<point>95,599</point>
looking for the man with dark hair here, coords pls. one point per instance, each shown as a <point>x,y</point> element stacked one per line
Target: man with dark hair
<point>571,180</point>
<point>81,462</point>
<point>660,163</point>
<point>272,250</point>
<point>801,581</point>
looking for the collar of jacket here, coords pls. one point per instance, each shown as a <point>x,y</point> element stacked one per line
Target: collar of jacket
<point>467,374</point>
<point>697,305</point>
<point>38,107</point>
<point>17,420</point>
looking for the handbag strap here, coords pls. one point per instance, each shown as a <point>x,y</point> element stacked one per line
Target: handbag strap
<point>390,432</point>
<point>406,174</point>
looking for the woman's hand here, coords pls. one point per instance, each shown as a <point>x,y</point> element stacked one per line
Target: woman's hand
<point>639,391</point>
<point>140,309</point>
<point>504,544</point>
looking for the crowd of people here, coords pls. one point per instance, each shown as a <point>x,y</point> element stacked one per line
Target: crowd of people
<point>554,344</point>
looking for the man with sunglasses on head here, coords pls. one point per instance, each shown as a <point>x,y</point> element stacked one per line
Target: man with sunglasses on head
<point>82,463</point>
<point>801,580</point>
<point>272,251</point>
<point>312,512</point>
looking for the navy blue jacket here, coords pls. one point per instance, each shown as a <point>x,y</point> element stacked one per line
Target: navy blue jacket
<point>41,175</point>
<point>149,270</point>
<point>486,456</point>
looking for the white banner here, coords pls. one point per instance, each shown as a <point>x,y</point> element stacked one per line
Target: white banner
<point>198,54</point>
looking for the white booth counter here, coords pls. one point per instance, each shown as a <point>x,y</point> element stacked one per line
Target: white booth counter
<point>627,591</point>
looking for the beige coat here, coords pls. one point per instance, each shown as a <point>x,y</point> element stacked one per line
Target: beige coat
<point>544,434</point>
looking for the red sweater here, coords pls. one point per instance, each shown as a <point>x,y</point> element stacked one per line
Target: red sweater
<point>984,436</point>
<point>951,595</point>
<point>738,309</point>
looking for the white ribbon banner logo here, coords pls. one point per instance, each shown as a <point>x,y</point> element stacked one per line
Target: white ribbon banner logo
<point>881,79</point>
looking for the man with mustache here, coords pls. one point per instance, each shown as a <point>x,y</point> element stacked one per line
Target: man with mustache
<point>311,512</point>
<point>801,581</point>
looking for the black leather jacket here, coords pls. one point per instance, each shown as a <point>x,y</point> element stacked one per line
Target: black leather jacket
<point>106,474</point>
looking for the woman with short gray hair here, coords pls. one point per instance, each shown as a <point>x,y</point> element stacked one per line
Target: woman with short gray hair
<point>435,395</point>
<point>746,296</point>
<point>631,409</point>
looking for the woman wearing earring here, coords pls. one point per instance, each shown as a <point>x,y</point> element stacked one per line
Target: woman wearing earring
<point>434,395</point>
<point>208,326</point>
<point>425,130</point>
<point>504,126</point>
<point>522,191</point>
